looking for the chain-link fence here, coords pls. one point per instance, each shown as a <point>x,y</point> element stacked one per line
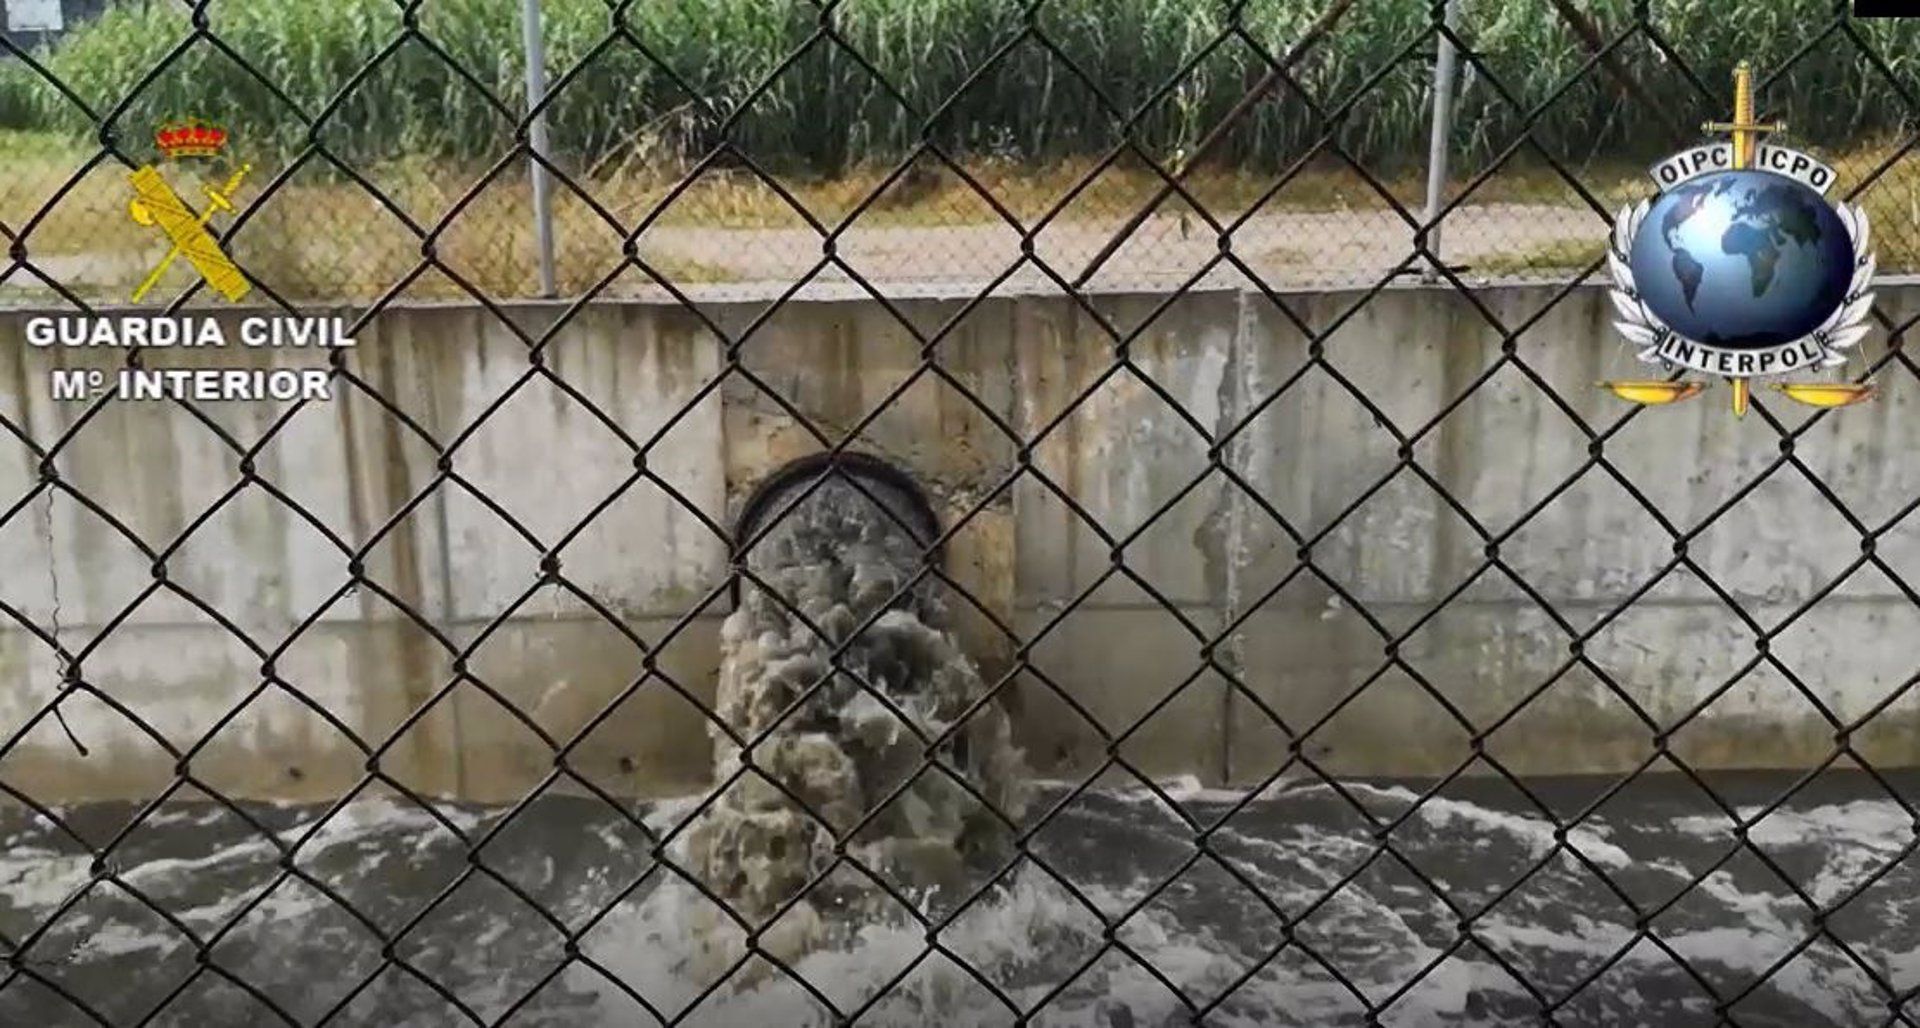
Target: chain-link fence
<point>931,141</point>
<point>415,705</point>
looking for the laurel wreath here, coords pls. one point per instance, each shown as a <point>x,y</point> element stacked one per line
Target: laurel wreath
<point>1844,328</point>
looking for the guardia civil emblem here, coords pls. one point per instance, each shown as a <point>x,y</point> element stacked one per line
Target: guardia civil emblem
<point>1741,268</point>
<point>156,203</point>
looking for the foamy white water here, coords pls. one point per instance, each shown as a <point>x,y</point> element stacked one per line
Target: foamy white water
<point>1034,939</point>
<point>837,668</point>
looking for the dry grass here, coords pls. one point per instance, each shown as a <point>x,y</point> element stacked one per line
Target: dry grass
<point>321,235</point>
<point>1559,255</point>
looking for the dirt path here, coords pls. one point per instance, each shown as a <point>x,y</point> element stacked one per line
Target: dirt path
<point>1294,249</point>
<point>1290,250</point>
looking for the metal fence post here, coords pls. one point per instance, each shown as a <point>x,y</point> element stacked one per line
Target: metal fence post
<point>537,91</point>
<point>1443,66</point>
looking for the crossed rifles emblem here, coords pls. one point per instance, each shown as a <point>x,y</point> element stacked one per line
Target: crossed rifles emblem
<point>155,203</point>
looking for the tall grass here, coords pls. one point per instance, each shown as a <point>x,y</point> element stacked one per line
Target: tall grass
<point>825,110</point>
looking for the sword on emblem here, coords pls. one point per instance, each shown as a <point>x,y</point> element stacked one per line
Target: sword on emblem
<point>157,204</point>
<point>1746,134</point>
<point>1809,323</point>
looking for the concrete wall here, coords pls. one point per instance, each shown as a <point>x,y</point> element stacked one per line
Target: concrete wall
<point>423,665</point>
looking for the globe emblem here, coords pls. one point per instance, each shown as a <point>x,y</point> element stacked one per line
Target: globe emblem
<point>1743,260</point>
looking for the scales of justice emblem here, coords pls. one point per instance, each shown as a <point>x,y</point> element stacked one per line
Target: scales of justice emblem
<point>1741,268</point>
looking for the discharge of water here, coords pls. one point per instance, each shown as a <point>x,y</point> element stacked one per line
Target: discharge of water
<point>877,772</point>
<point>1109,922</point>
<point>849,868</point>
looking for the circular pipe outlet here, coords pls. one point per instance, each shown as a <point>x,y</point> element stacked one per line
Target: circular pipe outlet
<point>891,486</point>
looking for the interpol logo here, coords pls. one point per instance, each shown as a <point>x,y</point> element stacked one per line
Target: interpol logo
<point>1740,267</point>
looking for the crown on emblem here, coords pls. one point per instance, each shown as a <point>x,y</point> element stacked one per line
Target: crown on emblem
<point>190,138</point>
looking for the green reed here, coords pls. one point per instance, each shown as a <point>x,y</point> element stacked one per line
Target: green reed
<point>761,77</point>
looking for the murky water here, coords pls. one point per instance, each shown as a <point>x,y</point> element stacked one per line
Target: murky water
<point>1207,940</point>
<point>963,894</point>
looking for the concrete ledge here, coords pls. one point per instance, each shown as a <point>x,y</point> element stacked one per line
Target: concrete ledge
<point>1207,450</point>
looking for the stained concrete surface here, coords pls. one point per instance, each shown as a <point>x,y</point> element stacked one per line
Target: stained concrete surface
<point>427,661</point>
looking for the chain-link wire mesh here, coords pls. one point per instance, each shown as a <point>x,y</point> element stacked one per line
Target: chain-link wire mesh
<point>1068,129</point>
<point>869,151</point>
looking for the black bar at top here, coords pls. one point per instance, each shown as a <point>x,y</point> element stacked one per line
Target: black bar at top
<point>1885,9</point>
